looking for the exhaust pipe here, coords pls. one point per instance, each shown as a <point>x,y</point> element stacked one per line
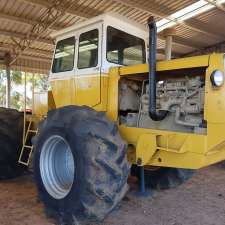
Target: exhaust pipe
<point>154,115</point>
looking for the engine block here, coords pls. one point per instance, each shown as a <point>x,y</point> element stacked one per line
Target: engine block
<point>183,98</point>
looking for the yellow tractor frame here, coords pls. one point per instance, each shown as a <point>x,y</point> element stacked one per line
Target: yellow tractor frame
<point>149,146</point>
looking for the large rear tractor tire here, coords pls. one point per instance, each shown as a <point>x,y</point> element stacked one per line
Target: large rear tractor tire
<point>11,136</point>
<point>162,178</point>
<point>80,164</point>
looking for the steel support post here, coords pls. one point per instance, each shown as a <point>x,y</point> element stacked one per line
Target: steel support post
<point>8,83</point>
<point>168,34</point>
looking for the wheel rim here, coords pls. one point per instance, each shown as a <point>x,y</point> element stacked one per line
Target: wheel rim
<point>57,166</point>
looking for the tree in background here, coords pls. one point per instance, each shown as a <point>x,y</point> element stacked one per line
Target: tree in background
<point>17,88</point>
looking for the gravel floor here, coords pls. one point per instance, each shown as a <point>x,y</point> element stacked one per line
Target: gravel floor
<point>201,201</point>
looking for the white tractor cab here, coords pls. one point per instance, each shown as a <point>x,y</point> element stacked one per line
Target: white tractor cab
<point>93,46</point>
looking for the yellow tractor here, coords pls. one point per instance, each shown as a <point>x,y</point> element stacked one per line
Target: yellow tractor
<point>109,109</point>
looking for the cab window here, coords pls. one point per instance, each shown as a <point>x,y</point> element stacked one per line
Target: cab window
<point>88,50</point>
<point>123,48</point>
<point>64,55</point>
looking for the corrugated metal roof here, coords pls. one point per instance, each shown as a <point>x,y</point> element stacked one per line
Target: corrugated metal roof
<point>17,17</point>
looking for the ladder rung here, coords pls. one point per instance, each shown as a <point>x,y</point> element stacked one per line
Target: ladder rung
<point>27,146</point>
<point>24,163</point>
<point>32,131</point>
<point>29,130</point>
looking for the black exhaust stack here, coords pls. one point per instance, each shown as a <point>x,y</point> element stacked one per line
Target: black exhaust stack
<point>160,115</point>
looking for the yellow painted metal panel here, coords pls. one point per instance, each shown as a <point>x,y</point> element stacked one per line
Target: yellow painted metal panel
<point>146,147</point>
<point>191,154</point>
<point>51,101</point>
<point>40,106</point>
<point>43,102</point>
<point>63,92</point>
<point>185,150</point>
<point>214,97</point>
<point>164,148</point>
<point>90,90</point>
<point>180,142</point>
<point>113,98</point>
<point>183,63</point>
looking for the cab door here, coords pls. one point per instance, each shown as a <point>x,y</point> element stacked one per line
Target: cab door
<point>62,72</point>
<point>88,66</point>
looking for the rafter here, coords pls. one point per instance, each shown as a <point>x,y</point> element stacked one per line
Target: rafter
<point>191,43</point>
<point>22,35</point>
<point>161,51</point>
<point>219,47</point>
<point>204,27</point>
<point>38,59</point>
<point>16,18</point>
<point>78,10</point>
<point>161,15</point>
<point>26,57</point>
<point>34,51</point>
<point>50,16</point>
<point>216,4</point>
<point>20,19</point>
<point>84,14</point>
<point>183,42</point>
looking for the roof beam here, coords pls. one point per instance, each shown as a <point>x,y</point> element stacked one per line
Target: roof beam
<point>50,16</point>
<point>16,19</point>
<point>161,51</point>
<point>33,58</point>
<point>83,12</point>
<point>90,13</point>
<point>34,51</point>
<point>27,57</point>
<point>161,15</point>
<point>21,35</point>
<point>182,41</point>
<point>186,42</point>
<point>216,4</point>
<point>200,26</point>
<point>219,47</point>
<point>22,20</point>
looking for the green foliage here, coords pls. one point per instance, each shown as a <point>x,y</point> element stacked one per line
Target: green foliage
<point>16,77</point>
<point>16,100</point>
<point>17,88</point>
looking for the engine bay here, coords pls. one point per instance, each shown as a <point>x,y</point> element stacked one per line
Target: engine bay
<point>182,97</point>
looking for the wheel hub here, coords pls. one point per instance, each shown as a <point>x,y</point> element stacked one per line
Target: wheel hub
<point>57,166</point>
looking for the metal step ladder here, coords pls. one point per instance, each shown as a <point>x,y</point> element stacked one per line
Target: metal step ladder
<point>27,149</point>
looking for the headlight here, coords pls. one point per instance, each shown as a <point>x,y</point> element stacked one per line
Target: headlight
<point>217,78</point>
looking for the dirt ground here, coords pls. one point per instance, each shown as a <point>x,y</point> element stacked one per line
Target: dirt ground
<point>201,201</point>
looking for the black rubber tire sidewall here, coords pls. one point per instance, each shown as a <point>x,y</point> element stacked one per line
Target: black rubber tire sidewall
<point>101,163</point>
<point>11,134</point>
<point>72,199</point>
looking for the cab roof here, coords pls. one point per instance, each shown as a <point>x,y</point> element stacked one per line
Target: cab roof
<point>112,19</point>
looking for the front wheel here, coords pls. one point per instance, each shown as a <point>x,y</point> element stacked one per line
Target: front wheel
<point>80,164</point>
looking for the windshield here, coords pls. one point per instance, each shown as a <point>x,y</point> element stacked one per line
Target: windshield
<point>124,49</point>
